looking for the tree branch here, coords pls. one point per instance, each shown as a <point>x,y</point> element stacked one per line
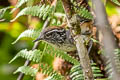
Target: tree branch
<point>27,62</point>
<point>108,37</point>
<point>73,22</point>
<point>84,58</point>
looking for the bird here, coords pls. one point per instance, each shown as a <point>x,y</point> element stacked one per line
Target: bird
<point>58,37</point>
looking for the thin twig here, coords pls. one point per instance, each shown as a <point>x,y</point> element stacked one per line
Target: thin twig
<point>36,44</point>
<point>84,58</point>
<point>27,62</point>
<point>90,46</point>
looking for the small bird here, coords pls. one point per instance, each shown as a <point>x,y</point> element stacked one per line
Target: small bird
<point>61,38</point>
<point>58,37</point>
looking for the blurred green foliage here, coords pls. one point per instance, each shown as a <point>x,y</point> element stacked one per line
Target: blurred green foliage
<point>9,31</point>
<point>111,9</point>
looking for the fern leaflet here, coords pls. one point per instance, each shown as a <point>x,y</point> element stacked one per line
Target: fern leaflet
<point>108,68</point>
<point>34,55</point>
<point>77,74</point>
<point>30,33</point>
<point>83,12</point>
<point>48,70</point>
<point>19,3</point>
<point>40,11</point>
<point>27,70</point>
<point>3,10</point>
<point>61,54</point>
<point>116,2</point>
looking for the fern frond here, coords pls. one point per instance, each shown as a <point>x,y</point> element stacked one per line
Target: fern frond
<point>48,70</point>
<point>27,70</point>
<point>77,74</point>
<point>34,55</point>
<point>117,52</point>
<point>40,11</point>
<point>83,12</point>
<point>61,54</point>
<point>30,33</point>
<point>80,8</point>
<point>116,2</point>
<point>19,4</point>
<point>108,67</point>
<point>3,10</point>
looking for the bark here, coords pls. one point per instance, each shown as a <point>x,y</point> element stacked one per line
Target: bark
<point>73,22</point>
<point>108,37</point>
<point>84,58</point>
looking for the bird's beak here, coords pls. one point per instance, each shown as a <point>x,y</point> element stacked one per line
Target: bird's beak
<point>39,38</point>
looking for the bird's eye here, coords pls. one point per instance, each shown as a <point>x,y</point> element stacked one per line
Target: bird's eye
<point>48,35</point>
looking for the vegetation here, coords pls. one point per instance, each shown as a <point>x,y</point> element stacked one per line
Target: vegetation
<point>44,62</point>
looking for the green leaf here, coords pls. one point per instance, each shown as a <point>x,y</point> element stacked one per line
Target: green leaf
<point>96,41</point>
<point>19,3</point>
<point>76,72</point>
<point>48,70</point>
<point>117,51</point>
<point>116,2</point>
<point>3,10</point>
<point>27,70</point>
<point>30,33</point>
<point>83,12</point>
<point>32,55</point>
<point>61,54</point>
<point>108,66</point>
<point>40,11</point>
